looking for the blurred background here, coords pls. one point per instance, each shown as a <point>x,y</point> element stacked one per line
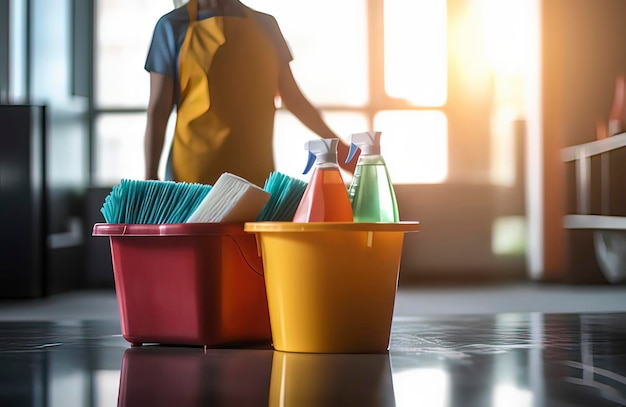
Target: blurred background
<point>475,100</point>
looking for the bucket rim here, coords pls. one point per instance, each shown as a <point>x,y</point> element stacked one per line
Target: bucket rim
<point>170,229</point>
<point>402,226</point>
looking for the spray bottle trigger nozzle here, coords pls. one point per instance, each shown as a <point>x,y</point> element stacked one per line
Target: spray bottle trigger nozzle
<point>352,152</point>
<point>310,162</point>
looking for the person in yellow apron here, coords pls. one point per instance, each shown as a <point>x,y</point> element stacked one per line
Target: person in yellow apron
<point>221,64</point>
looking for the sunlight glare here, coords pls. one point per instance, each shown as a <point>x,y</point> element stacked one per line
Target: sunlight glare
<point>510,395</point>
<point>506,25</point>
<point>416,51</point>
<point>329,49</point>
<point>106,387</point>
<point>414,145</point>
<point>422,387</point>
<point>290,157</point>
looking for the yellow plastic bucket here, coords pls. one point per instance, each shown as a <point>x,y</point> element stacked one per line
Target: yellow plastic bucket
<point>331,286</point>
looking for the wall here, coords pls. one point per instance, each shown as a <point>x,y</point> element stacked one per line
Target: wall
<point>583,50</point>
<point>454,243</point>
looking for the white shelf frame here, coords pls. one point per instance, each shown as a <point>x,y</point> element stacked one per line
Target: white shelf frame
<point>594,222</point>
<point>581,154</point>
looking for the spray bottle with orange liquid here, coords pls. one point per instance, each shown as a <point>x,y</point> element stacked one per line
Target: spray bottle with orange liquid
<point>325,198</point>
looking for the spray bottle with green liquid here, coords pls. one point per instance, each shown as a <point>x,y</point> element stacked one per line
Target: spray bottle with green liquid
<point>325,198</point>
<point>371,192</point>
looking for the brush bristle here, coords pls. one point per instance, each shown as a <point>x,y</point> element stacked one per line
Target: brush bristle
<point>285,195</point>
<point>152,202</point>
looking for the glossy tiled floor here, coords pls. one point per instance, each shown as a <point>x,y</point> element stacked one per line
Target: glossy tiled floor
<point>515,359</point>
<point>410,301</point>
<point>448,347</point>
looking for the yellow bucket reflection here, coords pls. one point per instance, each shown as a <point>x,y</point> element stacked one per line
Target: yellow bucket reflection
<point>308,379</point>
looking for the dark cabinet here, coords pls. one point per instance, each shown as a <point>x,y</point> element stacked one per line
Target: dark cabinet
<point>22,200</point>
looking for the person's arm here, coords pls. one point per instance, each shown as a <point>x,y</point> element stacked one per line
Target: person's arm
<point>295,101</point>
<point>160,107</point>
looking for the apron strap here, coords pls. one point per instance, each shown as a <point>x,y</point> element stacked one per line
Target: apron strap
<point>192,10</point>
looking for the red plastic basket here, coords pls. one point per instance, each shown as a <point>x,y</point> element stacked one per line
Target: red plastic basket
<point>188,284</point>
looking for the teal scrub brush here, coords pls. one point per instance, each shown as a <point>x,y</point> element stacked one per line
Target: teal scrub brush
<point>169,202</point>
<point>152,202</point>
<point>285,195</point>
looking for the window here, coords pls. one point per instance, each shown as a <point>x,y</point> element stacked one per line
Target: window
<point>336,56</point>
<point>384,65</point>
<point>416,51</point>
<point>123,33</point>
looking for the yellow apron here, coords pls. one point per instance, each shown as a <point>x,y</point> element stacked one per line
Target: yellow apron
<point>225,119</point>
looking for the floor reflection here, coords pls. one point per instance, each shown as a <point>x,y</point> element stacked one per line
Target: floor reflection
<point>524,360</point>
<point>169,376</point>
<point>305,379</point>
<point>597,370</point>
<point>423,386</point>
<point>162,376</point>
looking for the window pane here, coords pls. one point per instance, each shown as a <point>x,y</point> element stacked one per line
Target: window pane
<point>415,51</point>
<point>328,40</point>
<point>119,147</point>
<point>124,31</point>
<point>414,145</point>
<point>290,157</point>
<point>68,141</point>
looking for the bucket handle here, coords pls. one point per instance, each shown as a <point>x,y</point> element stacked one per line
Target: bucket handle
<point>243,255</point>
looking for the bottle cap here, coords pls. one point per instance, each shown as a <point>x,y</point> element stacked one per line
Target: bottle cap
<point>368,142</point>
<point>321,151</point>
